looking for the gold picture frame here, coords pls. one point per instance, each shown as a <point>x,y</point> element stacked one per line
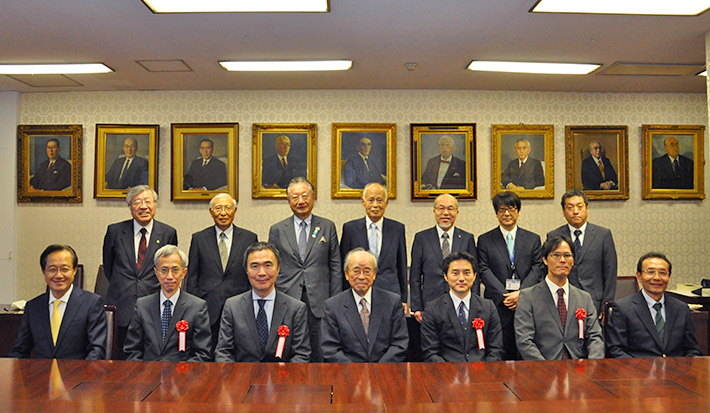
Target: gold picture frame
<point>661,178</point>
<point>281,152</point>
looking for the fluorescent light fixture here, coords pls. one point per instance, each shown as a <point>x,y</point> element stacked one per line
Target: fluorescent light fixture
<point>644,7</point>
<point>234,6</point>
<point>529,67</point>
<point>287,66</point>
<point>703,73</point>
<point>52,69</point>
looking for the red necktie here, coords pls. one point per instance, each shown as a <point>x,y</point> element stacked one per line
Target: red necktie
<point>142,246</point>
<point>562,309</point>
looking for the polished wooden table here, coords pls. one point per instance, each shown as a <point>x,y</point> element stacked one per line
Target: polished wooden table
<point>649,385</point>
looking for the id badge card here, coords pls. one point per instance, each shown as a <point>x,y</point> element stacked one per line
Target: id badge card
<point>512,284</point>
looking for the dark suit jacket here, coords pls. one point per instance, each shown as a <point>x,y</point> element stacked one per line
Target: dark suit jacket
<point>320,272</point>
<point>343,336</point>
<point>392,261</point>
<point>357,174</point>
<point>274,173</point>
<point>136,174</point>
<point>444,340</point>
<point>126,283</point>
<point>529,176</point>
<point>594,268</point>
<point>58,178</point>
<point>538,329</point>
<point>239,339</point>
<point>665,178</point>
<point>205,278</point>
<point>592,176</point>
<point>82,334</point>
<point>426,276</point>
<point>144,340</point>
<point>211,176</point>
<point>631,331</point>
<point>455,177</point>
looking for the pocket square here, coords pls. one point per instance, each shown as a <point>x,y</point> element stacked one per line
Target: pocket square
<point>322,240</point>
<point>457,174</point>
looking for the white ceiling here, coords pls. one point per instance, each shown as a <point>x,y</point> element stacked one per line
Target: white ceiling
<point>380,36</point>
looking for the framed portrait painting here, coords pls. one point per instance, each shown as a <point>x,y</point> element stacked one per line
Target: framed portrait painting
<point>281,152</point>
<point>204,160</point>
<point>522,160</point>
<point>673,161</point>
<point>126,156</point>
<point>49,163</point>
<point>363,153</point>
<point>443,160</point>
<point>597,160</point>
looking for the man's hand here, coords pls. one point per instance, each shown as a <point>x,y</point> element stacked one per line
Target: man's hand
<point>511,299</point>
<point>406,309</point>
<point>418,315</point>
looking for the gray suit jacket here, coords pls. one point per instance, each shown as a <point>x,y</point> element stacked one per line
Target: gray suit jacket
<point>320,272</point>
<point>594,268</point>
<point>239,339</point>
<point>144,340</point>
<point>343,335</point>
<point>538,329</point>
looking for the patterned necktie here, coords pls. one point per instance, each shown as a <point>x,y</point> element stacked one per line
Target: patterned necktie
<point>142,246</point>
<point>660,322</point>
<point>577,244</point>
<point>365,316</point>
<point>373,240</point>
<point>302,241</point>
<point>223,254</point>
<point>445,246</point>
<point>511,247</point>
<point>56,321</point>
<point>165,320</point>
<point>262,327</point>
<point>562,309</point>
<point>462,316</point>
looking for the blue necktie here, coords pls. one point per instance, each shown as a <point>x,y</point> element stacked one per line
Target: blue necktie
<point>511,247</point>
<point>462,316</point>
<point>373,240</point>
<point>165,320</point>
<point>302,241</point>
<point>262,326</point>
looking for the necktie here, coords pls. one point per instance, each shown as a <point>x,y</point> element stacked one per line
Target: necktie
<point>56,321</point>
<point>676,169</point>
<point>223,255</point>
<point>204,162</point>
<point>601,168</point>
<point>462,316</point>
<point>373,240</point>
<point>262,327</point>
<point>522,165</point>
<point>365,316</point>
<point>660,322</point>
<point>125,166</point>
<point>577,243</point>
<point>562,309</point>
<point>49,167</point>
<point>142,246</point>
<point>284,165</point>
<point>445,246</point>
<point>302,241</point>
<point>511,247</point>
<point>165,320</point>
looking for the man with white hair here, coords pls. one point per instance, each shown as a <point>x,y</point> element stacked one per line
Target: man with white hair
<point>445,171</point>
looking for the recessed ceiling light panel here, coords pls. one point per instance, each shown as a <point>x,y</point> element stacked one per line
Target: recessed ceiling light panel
<point>530,67</point>
<point>642,7</point>
<point>52,69</point>
<point>287,66</point>
<point>235,6</point>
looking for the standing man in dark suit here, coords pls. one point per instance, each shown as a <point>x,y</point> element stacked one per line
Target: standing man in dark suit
<point>159,319</point>
<point>54,174</point>
<point>254,323</point>
<point>128,170</point>
<point>597,171</point>
<point>381,236</point>
<point>361,169</point>
<point>450,324</point>
<point>64,322</point>
<point>594,269</point>
<point>280,168</point>
<point>510,260</point>
<point>363,324</point>
<point>206,172</point>
<point>216,271</point>
<point>550,313</point>
<point>310,257</point>
<point>429,249</point>
<point>127,254</point>
<point>445,171</point>
<point>523,172</point>
<point>651,323</point>
<point>672,170</point>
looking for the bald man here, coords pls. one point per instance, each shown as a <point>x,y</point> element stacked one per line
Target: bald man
<point>279,168</point>
<point>128,169</point>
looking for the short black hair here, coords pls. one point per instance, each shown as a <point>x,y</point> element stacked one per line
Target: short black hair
<point>506,198</point>
<point>261,246</point>
<point>54,248</point>
<point>653,254</point>
<point>458,255</point>
<point>207,140</point>
<point>55,140</point>
<point>553,242</point>
<point>570,194</point>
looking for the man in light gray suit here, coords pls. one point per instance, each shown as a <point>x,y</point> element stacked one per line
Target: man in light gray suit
<point>310,257</point>
<point>254,322</point>
<point>555,320</point>
<point>595,259</point>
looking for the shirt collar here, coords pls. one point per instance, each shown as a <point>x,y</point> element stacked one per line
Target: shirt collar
<point>228,232</point>
<point>297,220</point>
<point>650,301</point>
<point>442,159</point>
<point>523,161</point>
<point>367,297</point>
<point>441,232</point>
<point>505,232</point>
<point>466,300</point>
<point>64,298</point>
<point>137,227</point>
<point>554,287</point>
<point>583,228</point>
<point>378,224</point>
<point>270,297</point>
<point>173,299</point>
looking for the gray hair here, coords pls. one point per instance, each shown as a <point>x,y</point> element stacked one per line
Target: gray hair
<point>521,140</point>
<point>358,249</point>
<point>137,190</point>
<point>223,194</point>
<point>299,180</point>
<point>371,184</point>
<point>447,137</point>
<point>168,250</point>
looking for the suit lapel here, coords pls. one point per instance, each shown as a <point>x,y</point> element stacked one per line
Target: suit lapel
<point>213,247</point>
<point>671,318</point>
<point>129,247</point>
<point>501,247</point>
<point>450,312</point>
<point>353,317</point>
<point>474,310</point>
<point>178,314</point>
<point>289,231</point>
<point>153,245</point>
<point>456,241</point>
<point>377,311</point>
<point>277,319</point>
<point>73,306</point>
<point>571,325</point>
<point>155,311</point>
<point>545,297</point>
<point>315,234</point>
<point>45,322</point>
<point>433,238</point>
<point>588,240</point>
<point>246,307</point>
<point>388,241</point>
<point>236,240</point>
<point>643,313</point>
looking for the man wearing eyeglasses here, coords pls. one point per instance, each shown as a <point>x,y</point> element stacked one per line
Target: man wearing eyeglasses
<point>216,271</point>
<point>597,171</point>
<point>651,323</point>
<point>127,254</point>
<point>554,319</point>
<point>445,171</point>
<point>310,257</point>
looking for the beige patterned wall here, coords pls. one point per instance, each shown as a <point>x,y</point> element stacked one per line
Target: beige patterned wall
<point>678,228</point>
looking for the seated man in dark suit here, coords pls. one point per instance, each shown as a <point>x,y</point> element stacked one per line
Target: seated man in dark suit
<point>672,170</point>
<point>651,323</point>
<point>279,168</point>
<point>161,318</point>
<point>264,324</point>
<point>361,169</point>
<point>128,170</point>
<point>445,171</point>
<point>555,320</point>
<point>363,324</point>
<point>451,323</point>
<point>597,171</point>
<point>206,172</point>
<point>54,174</point>
<point>64,322</point>
<point>523,172</point>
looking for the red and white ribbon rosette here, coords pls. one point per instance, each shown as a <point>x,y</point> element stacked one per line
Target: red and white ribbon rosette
<point>283,332</point>
<point>478,324</point>
<point>581,314</point>
<point>182,327</point>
